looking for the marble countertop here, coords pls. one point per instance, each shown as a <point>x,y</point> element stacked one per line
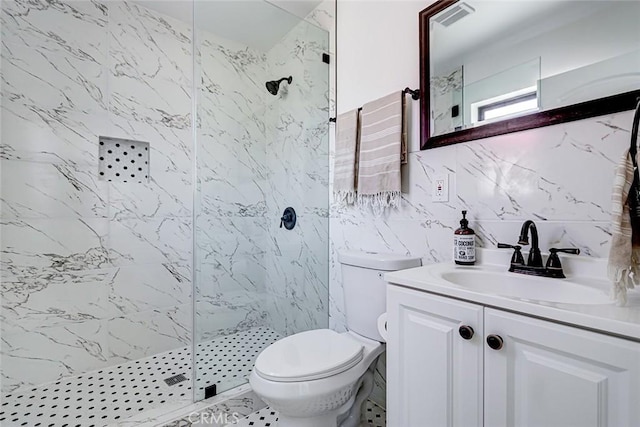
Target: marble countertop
<point>608,318</point>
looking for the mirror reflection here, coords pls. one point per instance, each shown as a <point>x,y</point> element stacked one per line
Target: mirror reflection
<point>495,60</point>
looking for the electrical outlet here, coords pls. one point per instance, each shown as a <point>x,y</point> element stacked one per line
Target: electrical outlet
<point>440,191</point>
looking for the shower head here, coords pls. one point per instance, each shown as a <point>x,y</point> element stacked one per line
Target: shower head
<point>274,85</point>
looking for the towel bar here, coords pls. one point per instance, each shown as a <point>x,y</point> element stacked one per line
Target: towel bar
<point>415,95</point>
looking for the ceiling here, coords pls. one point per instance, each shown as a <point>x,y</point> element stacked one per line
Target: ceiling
<point>256,23</point>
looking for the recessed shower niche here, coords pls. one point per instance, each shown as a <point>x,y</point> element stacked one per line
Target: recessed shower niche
<point>123,160</point>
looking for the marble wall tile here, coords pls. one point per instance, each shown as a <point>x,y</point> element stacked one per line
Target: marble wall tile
<point>48,190</point>
<point>337,314</point>
<point>231,92</point>
<point>223,197</point>
<point>54,244</point>
<point>146,287</point>
<point>541,175</point>
<point>36,77</point>
<point>47,298</point>
<point>231,273</point>
<point>165,195</point>
<point>35,356</point>
<point>229,313</point>
<point>150,66</point>
<point>151,240</point>
<point>297,152</point>
<point>35,133</point>
<point>54,27</point>
<point>591,237</point>
<point>104,263</point>
<point>145,333</point>
<point>230,161</point>
<point>229,236</point>
<point>235,157</point>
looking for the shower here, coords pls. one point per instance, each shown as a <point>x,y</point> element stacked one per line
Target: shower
<point>274,85</point>
<point>151,294</point>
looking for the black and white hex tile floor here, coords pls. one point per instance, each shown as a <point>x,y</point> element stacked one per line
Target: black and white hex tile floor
<point>374,416</point>
<point>114,394</point>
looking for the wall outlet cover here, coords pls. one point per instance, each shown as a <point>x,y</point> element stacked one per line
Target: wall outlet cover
<point>440,191</point>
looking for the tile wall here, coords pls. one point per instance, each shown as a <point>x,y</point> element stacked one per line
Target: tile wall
<point>93,273</point>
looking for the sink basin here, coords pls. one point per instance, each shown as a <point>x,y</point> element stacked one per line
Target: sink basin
<point>524,287</point>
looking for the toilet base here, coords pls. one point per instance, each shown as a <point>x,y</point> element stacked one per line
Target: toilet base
<point>325,420</point>
<point>348,415</point>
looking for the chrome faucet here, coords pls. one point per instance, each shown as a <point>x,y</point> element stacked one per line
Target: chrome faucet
<point>535,258</point>
<point>534,263</point>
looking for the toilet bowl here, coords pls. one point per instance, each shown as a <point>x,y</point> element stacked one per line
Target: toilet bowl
<point>321,378</point>
<point>309,377</point>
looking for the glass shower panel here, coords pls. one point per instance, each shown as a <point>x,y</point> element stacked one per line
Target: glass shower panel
<point>256,154</point>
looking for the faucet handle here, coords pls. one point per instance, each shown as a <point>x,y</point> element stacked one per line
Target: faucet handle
<point>517,257</point>
<point>554,260</point>
<point>573,251</point>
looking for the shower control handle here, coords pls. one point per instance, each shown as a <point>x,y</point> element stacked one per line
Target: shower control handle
<point>288,218</point>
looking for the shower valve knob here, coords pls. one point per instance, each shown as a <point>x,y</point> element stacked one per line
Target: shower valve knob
<point>288,219</point>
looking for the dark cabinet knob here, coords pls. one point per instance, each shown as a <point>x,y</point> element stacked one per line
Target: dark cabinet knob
<point>466,332</point>
<point>495,341</point>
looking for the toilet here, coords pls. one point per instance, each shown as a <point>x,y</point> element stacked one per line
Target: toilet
<point>321,378</point>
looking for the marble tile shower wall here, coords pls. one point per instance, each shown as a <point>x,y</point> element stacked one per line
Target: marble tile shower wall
<point>93,273</point>
<point>559,176</point>
<point>232,175</point>
<point>297,147</point>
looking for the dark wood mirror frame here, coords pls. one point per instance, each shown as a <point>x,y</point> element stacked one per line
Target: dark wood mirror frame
<point>597,107</point>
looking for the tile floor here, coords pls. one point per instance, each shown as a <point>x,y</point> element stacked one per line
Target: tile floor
<point>101,397</point>
<point>374,416</point>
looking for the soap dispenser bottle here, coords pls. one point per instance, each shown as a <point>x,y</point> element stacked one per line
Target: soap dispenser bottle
<point>464,243</point>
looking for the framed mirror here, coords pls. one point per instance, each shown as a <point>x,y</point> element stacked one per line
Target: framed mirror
<point>489,68</point>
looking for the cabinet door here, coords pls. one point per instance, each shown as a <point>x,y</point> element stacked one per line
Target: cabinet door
<point>434,375</point>
<point>549,375</point>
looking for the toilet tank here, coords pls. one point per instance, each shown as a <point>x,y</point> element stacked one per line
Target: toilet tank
<point>364,287</point>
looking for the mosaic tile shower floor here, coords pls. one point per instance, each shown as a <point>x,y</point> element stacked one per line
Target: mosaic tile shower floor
<point>119,392</point>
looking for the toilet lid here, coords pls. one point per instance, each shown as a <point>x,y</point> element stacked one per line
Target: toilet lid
<point>309,355</point>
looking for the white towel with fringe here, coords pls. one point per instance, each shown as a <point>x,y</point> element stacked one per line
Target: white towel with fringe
<point>379,181</point>
<point>624,259</point>
<point>345,166</point>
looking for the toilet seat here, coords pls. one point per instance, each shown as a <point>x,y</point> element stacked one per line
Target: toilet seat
<point>309,355</point>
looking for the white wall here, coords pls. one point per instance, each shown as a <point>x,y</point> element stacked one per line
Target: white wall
<point>377,49</point>
<point>378,53</point>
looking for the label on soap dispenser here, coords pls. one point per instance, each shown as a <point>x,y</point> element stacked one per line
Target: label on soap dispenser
<point>464,247</point>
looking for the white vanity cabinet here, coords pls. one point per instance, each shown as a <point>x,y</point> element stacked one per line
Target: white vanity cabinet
<point>434,376</point>
<point>540,374</point>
